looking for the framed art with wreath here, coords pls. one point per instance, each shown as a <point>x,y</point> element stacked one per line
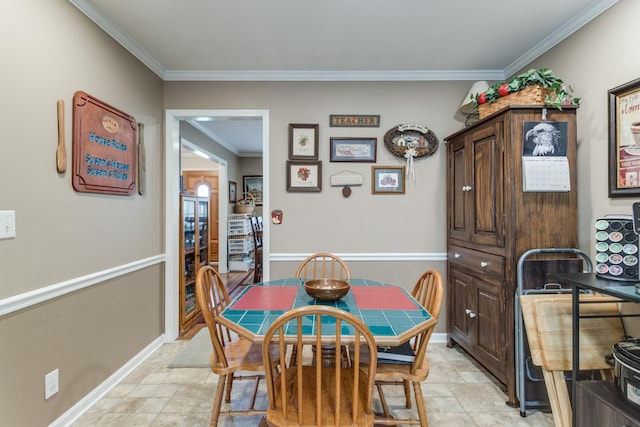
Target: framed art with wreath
<point>304,176</point>
<point>409,139</point>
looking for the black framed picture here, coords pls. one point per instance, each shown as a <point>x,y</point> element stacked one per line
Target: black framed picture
<point>253,184</point>
<point>353,150</point>
<point>303,141</point>
<point>233,191</point>
<point>304,176</point>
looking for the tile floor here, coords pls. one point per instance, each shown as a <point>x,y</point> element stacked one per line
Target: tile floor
<point>457,393</point>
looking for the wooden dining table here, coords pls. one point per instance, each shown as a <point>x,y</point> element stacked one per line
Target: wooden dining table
<point>391,313</point>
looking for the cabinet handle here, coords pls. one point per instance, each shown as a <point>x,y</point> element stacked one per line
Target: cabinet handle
<point>456,255</point>
<point>470,313</point>
<point>466,188</point>
<point>467,311</point>
<point>483,264</point>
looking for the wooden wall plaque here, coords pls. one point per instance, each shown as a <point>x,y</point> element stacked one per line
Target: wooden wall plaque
<point>104,147</point>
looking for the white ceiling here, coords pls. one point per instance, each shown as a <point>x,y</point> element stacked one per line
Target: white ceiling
<point>331,40</point>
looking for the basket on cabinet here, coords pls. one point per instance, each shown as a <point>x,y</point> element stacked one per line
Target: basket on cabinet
<point>246,205</point>
<point>530,95</point>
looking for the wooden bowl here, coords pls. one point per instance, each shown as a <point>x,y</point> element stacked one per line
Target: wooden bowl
<point>326,289</point>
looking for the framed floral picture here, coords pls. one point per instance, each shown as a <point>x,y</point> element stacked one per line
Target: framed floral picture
<point>303,141</point>
<point>387,179</point>
<point>304,176</point>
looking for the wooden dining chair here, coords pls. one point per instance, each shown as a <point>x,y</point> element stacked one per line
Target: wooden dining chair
<point>319,395</point>
<point>429,292</point>
<point>231,354</point>
<point>256,225</point>
<point>323,265</point>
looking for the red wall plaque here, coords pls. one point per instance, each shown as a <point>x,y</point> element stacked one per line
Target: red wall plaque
<point>104,147</point>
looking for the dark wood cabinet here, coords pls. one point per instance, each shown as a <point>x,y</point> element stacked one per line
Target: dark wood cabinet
<point>491,222</point>
<point>600,405</point>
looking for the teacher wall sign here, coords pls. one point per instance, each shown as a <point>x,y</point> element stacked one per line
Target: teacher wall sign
<point>104,147</point>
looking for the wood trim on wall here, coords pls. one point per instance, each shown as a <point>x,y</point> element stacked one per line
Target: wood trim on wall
<point>27,299</point>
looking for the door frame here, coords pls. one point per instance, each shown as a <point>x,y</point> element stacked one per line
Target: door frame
<point>172,200</point>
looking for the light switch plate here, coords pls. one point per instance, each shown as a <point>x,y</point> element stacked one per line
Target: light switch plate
<point>7,224</point>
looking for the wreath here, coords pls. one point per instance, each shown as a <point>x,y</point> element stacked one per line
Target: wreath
<point>403,138</point>
<point>409,142</point>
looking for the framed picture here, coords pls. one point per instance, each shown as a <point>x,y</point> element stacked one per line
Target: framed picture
<point>624,140</point>
<point>233,191</point>
<point>253,184</point>
<point>353,150</point>
<point>303,141</point>
<point>387,179</point>
<point>304,176</point>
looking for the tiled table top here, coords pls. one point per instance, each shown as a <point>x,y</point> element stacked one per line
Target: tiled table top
<point>389,311</point>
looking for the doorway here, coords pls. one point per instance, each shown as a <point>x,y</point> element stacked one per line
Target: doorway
<point>172,191</point>
<point>204,183</point>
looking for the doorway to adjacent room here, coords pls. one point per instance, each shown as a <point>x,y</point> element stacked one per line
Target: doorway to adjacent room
<point>172,191</point>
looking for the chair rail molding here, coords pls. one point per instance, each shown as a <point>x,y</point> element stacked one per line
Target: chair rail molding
<point>37,296</point>
<point>364,257</point>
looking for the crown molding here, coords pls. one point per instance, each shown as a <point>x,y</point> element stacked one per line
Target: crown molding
<point>120,36</point>
<point>143,56</point>
<point>559,35</point>
<point>323,76</point>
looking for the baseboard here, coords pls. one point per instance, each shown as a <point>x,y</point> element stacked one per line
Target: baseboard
<point>77,410</point>
<point>438,338</point>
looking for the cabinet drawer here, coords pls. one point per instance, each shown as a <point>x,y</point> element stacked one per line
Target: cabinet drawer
<point>477,260</point>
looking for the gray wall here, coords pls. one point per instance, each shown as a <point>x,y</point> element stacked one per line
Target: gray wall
<point>598,58</point>
<point>387,226</point>
<point>65,238</point>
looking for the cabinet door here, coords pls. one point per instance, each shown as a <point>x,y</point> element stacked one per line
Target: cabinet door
<point>188,261</point>
<point>203,232</point>
<point>490,323</point>
<point>487,206</point>
<point>192,180</point>
<point>459,306</point>
<point>458,187</point>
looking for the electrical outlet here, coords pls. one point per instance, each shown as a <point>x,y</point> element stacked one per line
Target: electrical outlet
<point>7,224</point>
<point>50,384</point>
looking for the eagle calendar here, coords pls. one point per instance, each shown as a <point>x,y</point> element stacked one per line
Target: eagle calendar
<point>545,166</point>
